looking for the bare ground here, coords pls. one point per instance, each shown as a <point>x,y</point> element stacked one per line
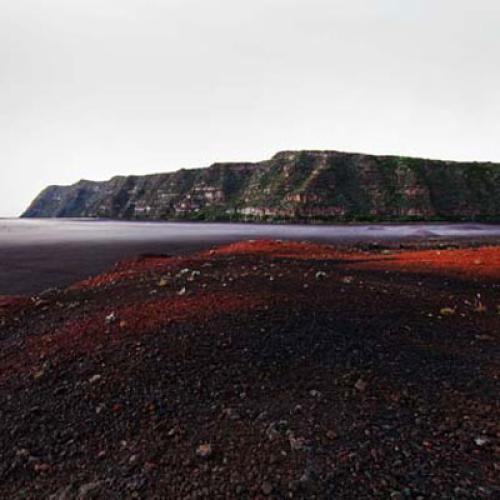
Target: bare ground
<point>264,369</point>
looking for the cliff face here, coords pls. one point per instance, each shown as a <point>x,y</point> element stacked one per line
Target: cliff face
<point>301,186</point>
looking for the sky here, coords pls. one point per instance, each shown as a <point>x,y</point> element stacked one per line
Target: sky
<point>96,88</point>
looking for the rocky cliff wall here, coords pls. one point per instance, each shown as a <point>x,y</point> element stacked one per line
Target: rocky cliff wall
<point>293,186</point>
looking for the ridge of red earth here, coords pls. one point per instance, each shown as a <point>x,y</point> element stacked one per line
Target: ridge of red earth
<point>88,335</point>
<point>9,303</point>
<point>480,262</point>
<point>126,269</point>
<point>83,335</point>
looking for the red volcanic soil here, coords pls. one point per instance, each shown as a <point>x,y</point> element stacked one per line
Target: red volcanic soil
<point>476,263</point>
<point>258,369</point>
<point>11,302</point>
<point>482,262</point>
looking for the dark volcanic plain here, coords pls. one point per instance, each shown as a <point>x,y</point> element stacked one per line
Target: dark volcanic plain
<point>259,369</point>
<point>36,254</point>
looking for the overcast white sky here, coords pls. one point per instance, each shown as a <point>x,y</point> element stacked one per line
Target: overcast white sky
<point>94,88</point>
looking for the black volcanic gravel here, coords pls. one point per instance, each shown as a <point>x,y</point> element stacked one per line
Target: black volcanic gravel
<point>336,383</point>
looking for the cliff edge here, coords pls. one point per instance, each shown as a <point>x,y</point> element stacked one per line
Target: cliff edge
<point>307,186</point>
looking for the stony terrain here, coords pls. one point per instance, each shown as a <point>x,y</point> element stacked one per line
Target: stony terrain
<point>312,186</point>
<point>257,370</point>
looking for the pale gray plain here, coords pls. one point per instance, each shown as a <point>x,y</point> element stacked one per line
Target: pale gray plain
<point>36,232</point>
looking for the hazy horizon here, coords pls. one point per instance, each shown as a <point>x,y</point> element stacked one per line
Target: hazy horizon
<point>92,89</point>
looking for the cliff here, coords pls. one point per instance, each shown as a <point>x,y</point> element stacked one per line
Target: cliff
<point>293,186</point>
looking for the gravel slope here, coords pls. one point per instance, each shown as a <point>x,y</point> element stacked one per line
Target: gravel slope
<point>261,369</point>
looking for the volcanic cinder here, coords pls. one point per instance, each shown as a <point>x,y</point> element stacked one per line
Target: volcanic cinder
<point>258,368</point>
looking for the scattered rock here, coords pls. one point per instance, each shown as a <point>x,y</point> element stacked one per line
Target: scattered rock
<point>484,337</point>
<point>49,293</point>
<point>275,429</point>
<point>480,307</point>
<point>41,467</point>
<point>64,493</point>
<point>89,490</point>
<point>297,444</point>
<point>361,385</point>
<point>481,440</point>
<point>315,394</point>
<point>204,450</point>
<point>447,311</point>
<point>110,318</point>
<point>192,405</point>
<point>267,488</point>
<point>331,435</point>
<point>95,378</point>
<point>193,275</point>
